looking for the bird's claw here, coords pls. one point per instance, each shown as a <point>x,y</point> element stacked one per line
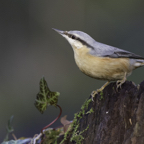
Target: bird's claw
<point>119,84</point>
<point>98,90</point>
<point>93,95</point>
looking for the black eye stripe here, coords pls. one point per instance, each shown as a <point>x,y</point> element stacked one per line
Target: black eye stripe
<point>72,36</point>
<point>77,38</point>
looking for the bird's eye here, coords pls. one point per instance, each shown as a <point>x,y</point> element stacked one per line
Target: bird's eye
<point>73,37</point>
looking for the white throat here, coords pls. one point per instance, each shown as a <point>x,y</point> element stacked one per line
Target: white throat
<point>73,42</point>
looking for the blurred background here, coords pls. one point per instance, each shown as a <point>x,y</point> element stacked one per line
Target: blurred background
<point>30,49</point>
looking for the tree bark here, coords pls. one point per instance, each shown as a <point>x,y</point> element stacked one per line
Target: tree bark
<point>118,118</point>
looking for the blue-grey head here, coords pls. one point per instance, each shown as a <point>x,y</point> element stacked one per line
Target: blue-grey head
<point>81,40</point>
<point>77,39</point>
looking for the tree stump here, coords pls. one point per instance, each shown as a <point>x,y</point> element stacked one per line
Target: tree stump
<point>118,117</point>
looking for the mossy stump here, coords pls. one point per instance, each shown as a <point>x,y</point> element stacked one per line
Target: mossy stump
<point>118,117</point>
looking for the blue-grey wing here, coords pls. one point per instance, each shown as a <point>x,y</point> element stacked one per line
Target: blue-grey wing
<point>103,50</point>
<point>125,54</point>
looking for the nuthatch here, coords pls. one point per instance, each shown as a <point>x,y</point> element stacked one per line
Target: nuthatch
<point>101,61</point>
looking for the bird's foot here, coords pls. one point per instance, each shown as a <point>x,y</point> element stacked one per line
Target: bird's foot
<point>120,82</point>
<point>98,90</point>
<point>93,94</point>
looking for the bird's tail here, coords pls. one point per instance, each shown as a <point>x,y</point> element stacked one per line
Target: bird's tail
<point>139,63</point>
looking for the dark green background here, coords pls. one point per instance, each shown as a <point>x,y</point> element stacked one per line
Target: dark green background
<point>29,49</point>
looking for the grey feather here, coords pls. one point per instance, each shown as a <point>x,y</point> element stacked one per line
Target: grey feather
<point>103,50</point>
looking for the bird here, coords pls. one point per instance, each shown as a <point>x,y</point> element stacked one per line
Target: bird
<point>101,61</point>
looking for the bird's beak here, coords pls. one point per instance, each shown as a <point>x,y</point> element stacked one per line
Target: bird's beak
<point>59,31</point>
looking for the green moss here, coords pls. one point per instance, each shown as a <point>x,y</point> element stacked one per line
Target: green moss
<point>101,95</point>
<point>76,135</point>
<point>65,136</point>
<point>90,111</point>
<point>51,136</point>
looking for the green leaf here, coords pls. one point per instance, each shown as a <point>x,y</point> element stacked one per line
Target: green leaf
<point>45,97</point>
<point>9,128</point>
